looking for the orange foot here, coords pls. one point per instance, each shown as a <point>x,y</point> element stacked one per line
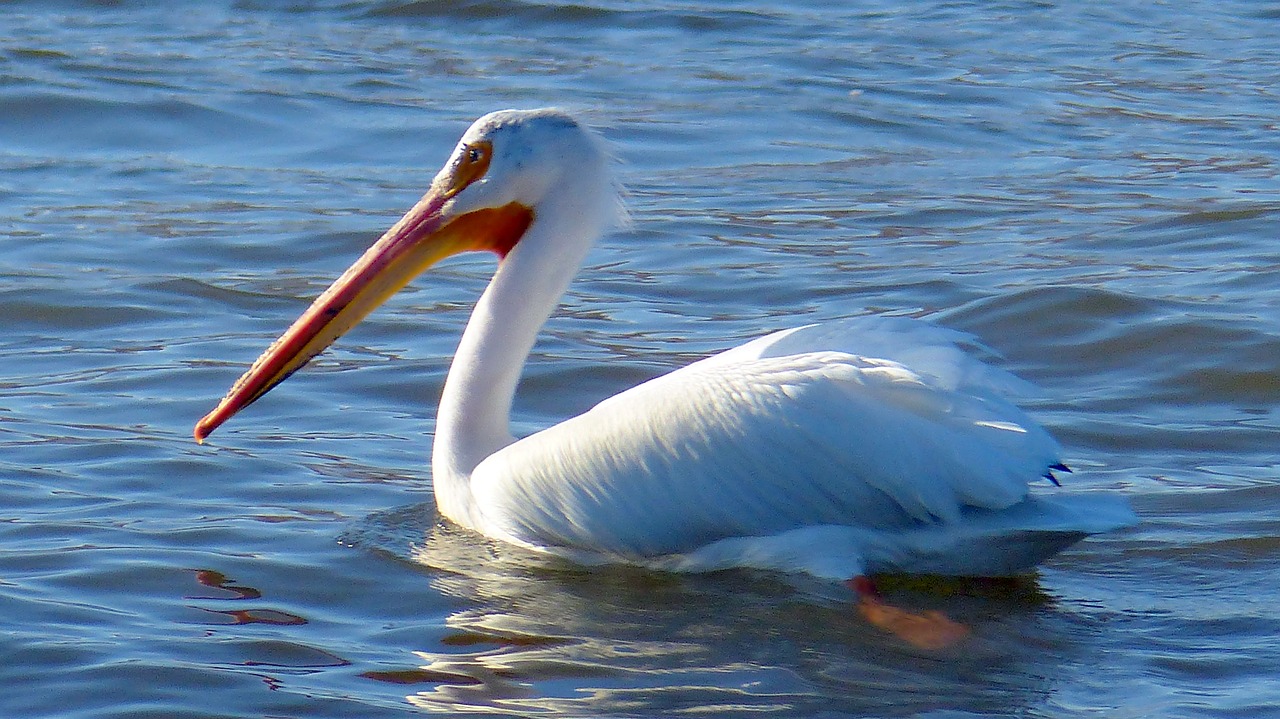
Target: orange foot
<point>930,630</point>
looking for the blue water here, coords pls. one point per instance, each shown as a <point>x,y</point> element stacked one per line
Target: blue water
<point>1089,187</point>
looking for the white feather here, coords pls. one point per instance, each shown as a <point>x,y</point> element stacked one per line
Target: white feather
<point>864,444</point>
<point>762,445</point>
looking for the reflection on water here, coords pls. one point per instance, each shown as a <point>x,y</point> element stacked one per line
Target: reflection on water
<point>218,580</point>
<point>1088,187</point>
<point>538,635</point>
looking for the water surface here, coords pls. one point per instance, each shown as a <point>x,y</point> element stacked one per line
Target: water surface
<point>1090,188</point>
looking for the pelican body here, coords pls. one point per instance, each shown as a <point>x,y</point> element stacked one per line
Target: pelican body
<point>841,449</point>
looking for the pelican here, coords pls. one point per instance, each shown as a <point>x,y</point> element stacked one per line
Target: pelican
<point>841,450</point>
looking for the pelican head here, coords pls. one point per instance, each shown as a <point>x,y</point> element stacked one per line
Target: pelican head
<point>530,186</point>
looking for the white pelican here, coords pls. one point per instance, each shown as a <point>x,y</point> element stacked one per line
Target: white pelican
<point>840,450</point>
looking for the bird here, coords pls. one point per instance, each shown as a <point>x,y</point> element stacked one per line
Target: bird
<point>842,450</point>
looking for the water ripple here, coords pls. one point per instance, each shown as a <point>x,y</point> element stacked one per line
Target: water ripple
<point>1088,189</point>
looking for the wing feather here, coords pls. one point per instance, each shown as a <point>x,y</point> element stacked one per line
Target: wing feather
<point>779,434</point>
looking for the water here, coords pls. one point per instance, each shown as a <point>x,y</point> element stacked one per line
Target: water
<point>1091,188</point>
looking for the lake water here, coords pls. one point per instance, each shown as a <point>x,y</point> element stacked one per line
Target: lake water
<point>1089,187</point>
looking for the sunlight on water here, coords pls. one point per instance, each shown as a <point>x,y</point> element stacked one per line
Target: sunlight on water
<point>1091,190</point>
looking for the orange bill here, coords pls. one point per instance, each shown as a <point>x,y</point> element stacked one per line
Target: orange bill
<point>426,234</point>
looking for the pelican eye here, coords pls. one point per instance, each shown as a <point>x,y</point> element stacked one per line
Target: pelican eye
<point>471,165</point>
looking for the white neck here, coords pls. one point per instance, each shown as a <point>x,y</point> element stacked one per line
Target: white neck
<point>473,421</point>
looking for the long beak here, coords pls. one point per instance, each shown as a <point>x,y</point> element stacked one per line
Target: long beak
<point>423,237</point>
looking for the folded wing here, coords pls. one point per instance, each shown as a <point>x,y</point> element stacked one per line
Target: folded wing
<point>778,434</point>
